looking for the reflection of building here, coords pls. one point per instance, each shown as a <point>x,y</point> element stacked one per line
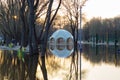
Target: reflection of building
<point>60,43</point>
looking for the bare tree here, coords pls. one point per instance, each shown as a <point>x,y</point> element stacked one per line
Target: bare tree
<point>73,7</point>
<point>26,12</point>
<point>33,44</point>
<point>44,35</point>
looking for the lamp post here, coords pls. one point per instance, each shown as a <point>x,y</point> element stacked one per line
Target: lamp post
<point>82,2</point>
<point>80,31</point>
<point>14,26</point>
<point>80,45</point>
<point>15,17</point>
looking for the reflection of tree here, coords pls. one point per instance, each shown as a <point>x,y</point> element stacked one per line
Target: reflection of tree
<point>104,54</point>
<point>12,68</point>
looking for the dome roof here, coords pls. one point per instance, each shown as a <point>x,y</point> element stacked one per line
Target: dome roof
<point>61,33</point>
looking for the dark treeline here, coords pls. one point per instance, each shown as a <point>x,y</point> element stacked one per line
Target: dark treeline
<point>102,30</point>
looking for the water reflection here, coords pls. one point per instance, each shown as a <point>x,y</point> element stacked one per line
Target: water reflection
<point>99,54</point>
<point>101,62</point>
<point>10,67</point>
<point>98,63</point>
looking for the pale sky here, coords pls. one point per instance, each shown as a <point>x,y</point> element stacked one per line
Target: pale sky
<point>102,8</point>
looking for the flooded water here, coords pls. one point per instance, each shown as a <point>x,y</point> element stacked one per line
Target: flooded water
<point>97,63</point>
<point>101,62</point>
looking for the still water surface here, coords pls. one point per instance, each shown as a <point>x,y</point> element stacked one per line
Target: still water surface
<point>97,63</point>
<point>101,62</point>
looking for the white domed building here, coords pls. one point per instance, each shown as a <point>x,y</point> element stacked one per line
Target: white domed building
<point>61,43</point>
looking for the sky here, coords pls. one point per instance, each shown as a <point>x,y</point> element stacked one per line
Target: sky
<point>101,8</point>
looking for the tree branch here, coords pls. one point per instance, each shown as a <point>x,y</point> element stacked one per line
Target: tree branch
<point>55,12</point>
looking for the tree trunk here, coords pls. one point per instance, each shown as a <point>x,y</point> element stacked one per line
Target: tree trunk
<point>33,46</point>
<point>24,39</point>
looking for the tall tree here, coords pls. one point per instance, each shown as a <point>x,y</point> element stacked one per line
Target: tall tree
<point>33,44</point>
<point>44,34</point>
<point>73,7</point>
